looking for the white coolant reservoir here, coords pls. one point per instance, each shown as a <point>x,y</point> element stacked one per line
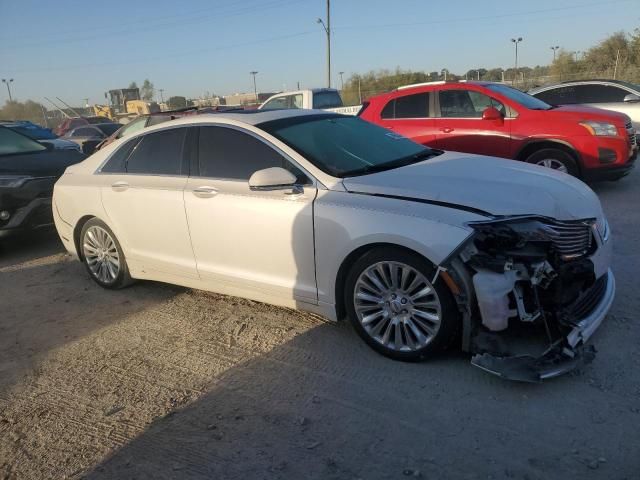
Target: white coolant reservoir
<point>492,291</point>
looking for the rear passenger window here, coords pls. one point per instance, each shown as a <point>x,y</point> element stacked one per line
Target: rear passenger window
<point>118,161</point>
<point>409,106</point>
<point>159,153</point>
<point>230,154</point>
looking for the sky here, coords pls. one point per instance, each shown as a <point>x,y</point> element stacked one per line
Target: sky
<point>77,49</point>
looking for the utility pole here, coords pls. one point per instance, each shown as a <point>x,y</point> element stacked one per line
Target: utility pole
<point>516,41</point>
<point>341,81</point>
<point>255,89</point>
<point>554,51</point>
<point>576,53</point>
<point>615,68</point>
<point>161,90</point>
<point>8,82</point>
<point>327,29</point>
<point>359,91</point>
<point>478,72</point>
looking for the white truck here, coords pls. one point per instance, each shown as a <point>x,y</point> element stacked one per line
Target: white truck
<point>316,98</point>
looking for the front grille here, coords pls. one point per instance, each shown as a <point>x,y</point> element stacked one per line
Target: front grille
<point>570,239</point>
<point>586,302</point>
<point>631,132</point>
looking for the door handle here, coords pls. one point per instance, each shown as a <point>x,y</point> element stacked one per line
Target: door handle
<point>119,186</point>
<point>446,129</point>
<point>205,192</point>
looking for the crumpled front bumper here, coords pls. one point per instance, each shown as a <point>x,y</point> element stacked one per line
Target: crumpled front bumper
<point>564,356</point>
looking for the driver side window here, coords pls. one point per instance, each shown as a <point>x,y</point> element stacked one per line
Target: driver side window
<point>466,104</point>
<point>230,154</point>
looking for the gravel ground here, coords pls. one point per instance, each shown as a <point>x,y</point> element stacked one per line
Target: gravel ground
<point>157,381</point>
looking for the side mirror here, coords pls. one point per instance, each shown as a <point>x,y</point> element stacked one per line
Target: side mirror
<point>631,98</point>
<point>48,146</point>
<point>491,113</point>
<point>274,178</point>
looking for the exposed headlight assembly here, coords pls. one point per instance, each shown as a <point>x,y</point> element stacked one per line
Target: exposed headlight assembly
<point>601,129</point>
<point>602,226</point>
<point>13,181</point>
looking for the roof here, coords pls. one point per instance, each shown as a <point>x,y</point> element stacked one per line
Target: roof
<point>252,117</point>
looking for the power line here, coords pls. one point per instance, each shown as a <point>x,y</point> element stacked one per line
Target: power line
<point>182,54</point>
<point>187,22</point>
<point>486,17</point>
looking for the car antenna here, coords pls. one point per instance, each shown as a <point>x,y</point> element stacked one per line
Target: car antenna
<point>56,106</point>
<point>69,107</point>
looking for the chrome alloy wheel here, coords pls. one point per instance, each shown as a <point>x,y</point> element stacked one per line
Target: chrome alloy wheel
<point>397,306</point>
<point>101,254</point>
<point>553,164</point>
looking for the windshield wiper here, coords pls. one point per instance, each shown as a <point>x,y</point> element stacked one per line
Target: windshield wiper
<point>400,162</point>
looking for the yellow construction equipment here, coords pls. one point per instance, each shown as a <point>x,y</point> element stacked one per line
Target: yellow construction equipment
<point>125,104</point>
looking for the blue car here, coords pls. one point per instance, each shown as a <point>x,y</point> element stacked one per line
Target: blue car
<point>41,134</point>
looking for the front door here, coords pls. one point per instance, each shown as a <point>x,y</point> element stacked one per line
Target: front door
<point>460,127</point>
<point>142,188</point>
<point>257,244</point>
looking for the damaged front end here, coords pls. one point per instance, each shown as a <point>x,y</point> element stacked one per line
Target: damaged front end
<point>534,290</point>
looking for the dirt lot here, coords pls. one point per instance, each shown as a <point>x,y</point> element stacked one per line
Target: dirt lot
<point>163,382</point>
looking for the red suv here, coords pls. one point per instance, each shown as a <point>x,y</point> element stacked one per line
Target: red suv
<point>495,119</point>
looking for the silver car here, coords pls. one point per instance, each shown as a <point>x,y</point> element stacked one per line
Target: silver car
<point>623,97</point>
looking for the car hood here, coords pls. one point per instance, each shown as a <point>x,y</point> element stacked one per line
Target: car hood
<point>484,184</point>
<point>581,113</point>
<point>39,164</point>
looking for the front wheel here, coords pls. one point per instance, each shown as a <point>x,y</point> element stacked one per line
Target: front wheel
<point>102,255</point>
<point>396,309</point>
<point>555,159</point>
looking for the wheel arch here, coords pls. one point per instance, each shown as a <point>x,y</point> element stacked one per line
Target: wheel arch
<point>534,146</point>
<point>77,231</point>
<point>348,262</point>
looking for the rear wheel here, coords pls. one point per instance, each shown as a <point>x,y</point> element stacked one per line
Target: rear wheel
<point>555,159</point>
<point>102,255</point>
<point>395,307</point>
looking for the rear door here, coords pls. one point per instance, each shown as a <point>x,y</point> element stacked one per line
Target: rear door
<point>461,128</point>
<point>409,115</point>
<point>142,193</point>
<point>610,97</point>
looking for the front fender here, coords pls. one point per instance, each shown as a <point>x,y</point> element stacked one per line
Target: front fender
<point>345,222</point>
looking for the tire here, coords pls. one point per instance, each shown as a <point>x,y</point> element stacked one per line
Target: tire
<point>419,337</point>
<point>102,255</point>
<point>555,159</point>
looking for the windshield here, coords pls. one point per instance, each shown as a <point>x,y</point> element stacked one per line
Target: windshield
<point>327,99</point>
<point>12,143</point>
<point>522,98</point>
<point>109,128</point>
<point>346,146</point>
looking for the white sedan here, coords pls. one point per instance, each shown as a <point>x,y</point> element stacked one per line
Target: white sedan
<point>326,213</point>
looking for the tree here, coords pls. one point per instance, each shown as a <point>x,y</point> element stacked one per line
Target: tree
<point>133,85</point>
<point>147,90</point>
<point>28,110</point>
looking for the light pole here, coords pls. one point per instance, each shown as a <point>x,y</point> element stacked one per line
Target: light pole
<point>341,81</point>
<point>576,53</point>
<point>161,90</point>
<point>255,89</point>
<point>554,51</point>
<point>8,82</point>
<point>516,41</point>
<point>327,29</point>
<point>478,72</point>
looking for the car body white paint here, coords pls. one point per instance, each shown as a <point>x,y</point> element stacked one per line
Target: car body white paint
<point>287,249</point>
